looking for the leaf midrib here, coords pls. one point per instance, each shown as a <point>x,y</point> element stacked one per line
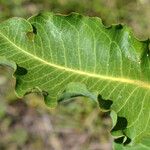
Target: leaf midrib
<point>103,77</point>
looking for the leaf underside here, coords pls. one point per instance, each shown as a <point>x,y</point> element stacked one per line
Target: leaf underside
<point>68,56</point>
<point>144,145</point>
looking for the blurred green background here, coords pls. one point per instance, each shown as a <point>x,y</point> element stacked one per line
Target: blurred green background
<point>28,124</point>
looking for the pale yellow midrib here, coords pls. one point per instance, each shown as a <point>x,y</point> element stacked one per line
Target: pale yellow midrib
<point>123,80</point>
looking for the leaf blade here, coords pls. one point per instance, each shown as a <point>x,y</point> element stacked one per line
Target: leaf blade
<point>57,50</point>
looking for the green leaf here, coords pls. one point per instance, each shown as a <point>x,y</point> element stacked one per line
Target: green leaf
<point>144,145</point>
<point>52,51</point>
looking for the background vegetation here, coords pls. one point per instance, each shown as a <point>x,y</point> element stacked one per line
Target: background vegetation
<point>79,125</point>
